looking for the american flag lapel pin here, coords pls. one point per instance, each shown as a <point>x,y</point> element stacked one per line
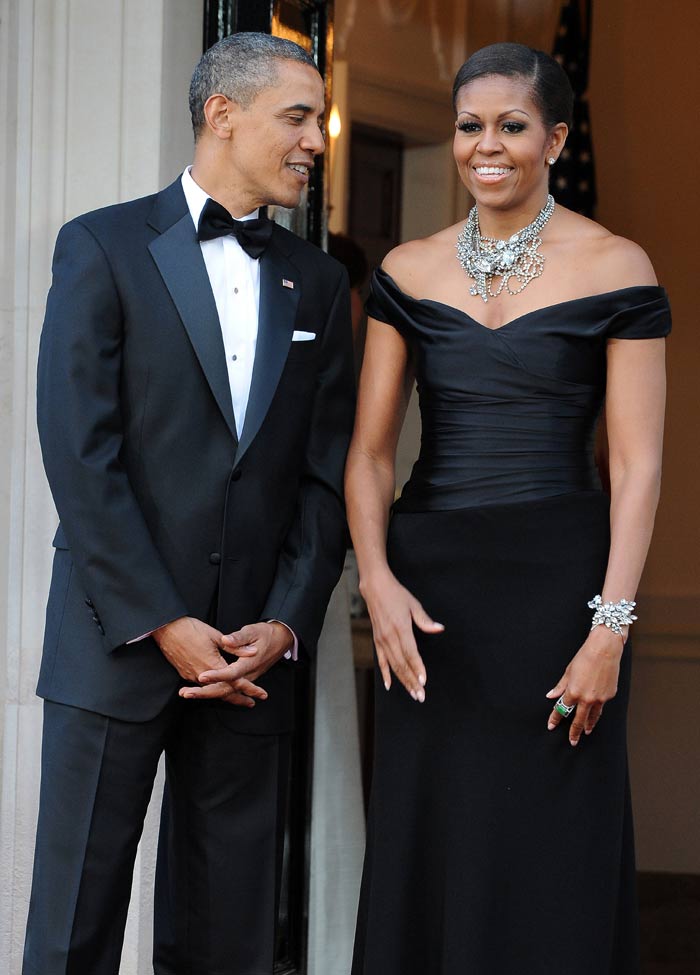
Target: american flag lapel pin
<point>286,283</point>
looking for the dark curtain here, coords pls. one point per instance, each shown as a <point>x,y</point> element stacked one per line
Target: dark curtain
<point>573,177</point>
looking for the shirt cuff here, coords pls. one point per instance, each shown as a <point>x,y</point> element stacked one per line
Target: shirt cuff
<point>293,653</point>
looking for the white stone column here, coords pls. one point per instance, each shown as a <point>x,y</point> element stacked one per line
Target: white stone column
<point>84,121</point>
<point>338,816</point>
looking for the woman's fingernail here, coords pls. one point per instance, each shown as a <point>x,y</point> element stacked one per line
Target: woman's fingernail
<point>421,680</point>
<point>574,742</point>
<point>413,695</point>
<point>550,726</point>
<point>420,696</point>
<point>386,685</point>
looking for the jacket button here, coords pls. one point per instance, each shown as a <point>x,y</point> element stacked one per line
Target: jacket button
<point>236,476</point>
<point>88,602</point>
<point>215,558</point>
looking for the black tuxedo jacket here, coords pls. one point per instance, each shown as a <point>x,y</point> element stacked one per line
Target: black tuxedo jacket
<point>165,508</point>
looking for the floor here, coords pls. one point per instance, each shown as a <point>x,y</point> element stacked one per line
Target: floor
<point>670,923</point>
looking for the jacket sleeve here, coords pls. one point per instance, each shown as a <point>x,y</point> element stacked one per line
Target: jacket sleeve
<point>313,552</point>
<point>80,429</point>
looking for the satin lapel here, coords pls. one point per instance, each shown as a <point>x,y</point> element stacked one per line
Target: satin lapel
<point>179,259</point>
<point>278,309</point>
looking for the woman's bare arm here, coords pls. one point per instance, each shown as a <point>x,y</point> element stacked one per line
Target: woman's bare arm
<point>635,400</point>
<point>385,388</point>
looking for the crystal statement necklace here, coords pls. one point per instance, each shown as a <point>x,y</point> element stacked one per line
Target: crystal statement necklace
<point>486,258</point>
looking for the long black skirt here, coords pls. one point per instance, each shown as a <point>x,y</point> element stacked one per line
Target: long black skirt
<point>494,847</point>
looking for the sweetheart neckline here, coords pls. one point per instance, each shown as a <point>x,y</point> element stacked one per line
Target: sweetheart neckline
<point>527,314</point>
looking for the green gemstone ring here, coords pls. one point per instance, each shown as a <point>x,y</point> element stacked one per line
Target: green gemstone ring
<point>564,709</point>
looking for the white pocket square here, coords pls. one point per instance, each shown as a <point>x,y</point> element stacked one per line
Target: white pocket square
<point>303,336</point>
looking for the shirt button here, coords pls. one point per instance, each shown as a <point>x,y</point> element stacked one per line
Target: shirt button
<point>234,358</point>
<point>215,558</point>
<point>235,291</point>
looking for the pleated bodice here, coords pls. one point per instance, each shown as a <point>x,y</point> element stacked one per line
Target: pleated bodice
<point>509,414</point>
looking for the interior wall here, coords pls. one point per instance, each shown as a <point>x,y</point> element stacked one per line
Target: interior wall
<point>645,79</point>
<point>646,76</point>
<point>402,57</point>
<point>182,45</point>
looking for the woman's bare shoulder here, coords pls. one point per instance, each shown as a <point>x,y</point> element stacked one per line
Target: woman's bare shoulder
<point>627,263</point>
<point>413,263</point>
<point>613,262</point>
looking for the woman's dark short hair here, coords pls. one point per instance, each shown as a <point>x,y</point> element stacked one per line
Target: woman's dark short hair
<point>550,87</point>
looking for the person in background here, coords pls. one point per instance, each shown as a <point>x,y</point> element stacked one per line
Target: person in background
<point>354,260</point>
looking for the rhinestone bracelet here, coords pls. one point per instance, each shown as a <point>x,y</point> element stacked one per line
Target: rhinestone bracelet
<point>612,615</point>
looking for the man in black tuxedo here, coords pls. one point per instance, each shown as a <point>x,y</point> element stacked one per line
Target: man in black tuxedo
<point>195,404</point>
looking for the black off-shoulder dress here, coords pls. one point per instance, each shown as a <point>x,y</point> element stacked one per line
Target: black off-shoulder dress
<point>494,847</point>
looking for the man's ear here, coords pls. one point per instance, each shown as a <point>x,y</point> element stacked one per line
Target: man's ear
<point>218,113</point>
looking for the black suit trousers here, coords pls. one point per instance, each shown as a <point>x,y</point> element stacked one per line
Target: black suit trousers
<point>220,861</point>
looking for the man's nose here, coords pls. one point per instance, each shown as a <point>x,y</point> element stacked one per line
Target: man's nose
<point>312,140</point>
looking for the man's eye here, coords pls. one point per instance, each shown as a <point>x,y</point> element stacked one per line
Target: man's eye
<point>297,119</point>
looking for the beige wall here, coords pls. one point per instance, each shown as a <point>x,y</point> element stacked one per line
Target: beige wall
<point>645,81</point>
<point>401,66</point>
<point>646,77</point>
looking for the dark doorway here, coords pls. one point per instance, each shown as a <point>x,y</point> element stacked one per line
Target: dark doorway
<point>374,217</point>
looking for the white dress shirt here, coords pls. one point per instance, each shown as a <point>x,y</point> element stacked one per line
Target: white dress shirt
<point>235,280</point>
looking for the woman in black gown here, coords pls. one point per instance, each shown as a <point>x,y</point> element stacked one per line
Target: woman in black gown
<point>500,835</point>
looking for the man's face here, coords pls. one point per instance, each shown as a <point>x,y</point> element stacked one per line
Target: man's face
<point>275,140</point>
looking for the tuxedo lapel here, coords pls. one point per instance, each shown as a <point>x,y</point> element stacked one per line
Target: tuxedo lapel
<point>280,285</point>
<point>178,257</point>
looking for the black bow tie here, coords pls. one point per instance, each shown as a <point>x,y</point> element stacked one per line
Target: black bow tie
<point>252,235</point>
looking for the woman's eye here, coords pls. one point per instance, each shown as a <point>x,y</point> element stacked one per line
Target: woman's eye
<point>468,127</point>
<point>513,127</point>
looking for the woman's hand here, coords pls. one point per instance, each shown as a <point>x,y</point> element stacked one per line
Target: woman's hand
<point>589,681</point>
<point>393,612</point>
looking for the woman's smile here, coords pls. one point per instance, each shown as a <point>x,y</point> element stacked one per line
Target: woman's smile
<point>490,174</point>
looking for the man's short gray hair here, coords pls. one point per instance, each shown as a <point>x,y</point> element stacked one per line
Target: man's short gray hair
<point>240,67</point>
